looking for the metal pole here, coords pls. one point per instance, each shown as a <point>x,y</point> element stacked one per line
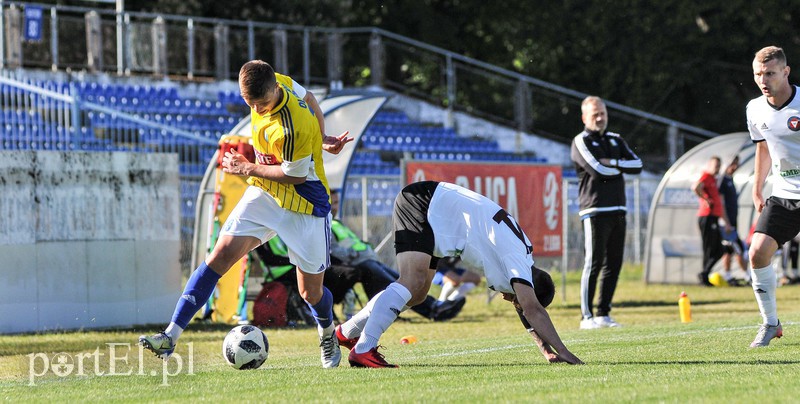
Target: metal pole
<point>451,91</point>
<point>306,58</point>
<point>672,144</point>
<point>364,212</point>
<point>564,234</point>
<point>53,38</point>
<point>251,41</point>
<point>2,35</point>
<point>637,221</point>
<point>190,48</point>
<point>120,41</point>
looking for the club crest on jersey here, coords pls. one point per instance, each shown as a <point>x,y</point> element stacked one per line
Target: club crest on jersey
<point>266,159</point>
<point>793,123</point>
<point>613,142</point>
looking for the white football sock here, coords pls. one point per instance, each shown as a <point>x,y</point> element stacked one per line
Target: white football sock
<point>326,331</point>
<point>387,307</point>
<point>764,288</point>
<point>461,291</point>
<point>352,328</point>
<point>173,331</point>
<point>447,289</point>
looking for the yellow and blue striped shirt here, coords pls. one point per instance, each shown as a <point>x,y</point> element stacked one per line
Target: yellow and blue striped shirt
<point>287,134</point>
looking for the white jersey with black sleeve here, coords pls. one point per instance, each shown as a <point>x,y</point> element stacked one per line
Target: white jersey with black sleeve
<point>780,128</point>
<point>471,226</point>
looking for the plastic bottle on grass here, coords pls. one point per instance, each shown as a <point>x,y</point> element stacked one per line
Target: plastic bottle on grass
<point>685,308</point>
<point>408,339</point>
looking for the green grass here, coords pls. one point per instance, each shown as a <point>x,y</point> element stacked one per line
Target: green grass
<point>483,355</point>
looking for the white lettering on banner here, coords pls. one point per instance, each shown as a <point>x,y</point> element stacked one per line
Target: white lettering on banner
<point>419,175</point>
<point>494,188</point>
<point>552,242</point>
<point>550,201</point>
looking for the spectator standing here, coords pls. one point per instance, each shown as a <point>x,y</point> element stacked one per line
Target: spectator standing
<point>730,198</point>
<point>709,213</point>
<point>601,157</point>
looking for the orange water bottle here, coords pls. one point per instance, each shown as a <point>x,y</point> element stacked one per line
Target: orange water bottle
<point>685,307</point>
<point>408,339</point>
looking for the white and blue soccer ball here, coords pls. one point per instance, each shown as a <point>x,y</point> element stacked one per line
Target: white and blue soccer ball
<point>245,347</point>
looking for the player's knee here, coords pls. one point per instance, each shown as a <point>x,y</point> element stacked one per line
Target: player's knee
<point>760,257</point>
<point>312,297</point>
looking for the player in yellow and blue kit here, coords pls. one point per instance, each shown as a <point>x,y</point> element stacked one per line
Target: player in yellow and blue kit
<point>288,195</point>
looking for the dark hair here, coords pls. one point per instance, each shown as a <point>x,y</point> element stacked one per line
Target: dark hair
<point>543,286</point>
<point>255,78</point>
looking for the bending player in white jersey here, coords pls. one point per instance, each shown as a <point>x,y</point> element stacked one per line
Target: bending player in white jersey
<point>773,121</point>
<point>433,220</point>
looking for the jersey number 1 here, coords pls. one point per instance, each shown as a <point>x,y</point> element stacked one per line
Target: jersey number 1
<point>503,216</point>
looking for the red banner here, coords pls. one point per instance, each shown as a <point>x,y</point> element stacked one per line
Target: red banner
<point>530,193</point>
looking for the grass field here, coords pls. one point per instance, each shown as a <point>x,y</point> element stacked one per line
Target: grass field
<point>483,355</point>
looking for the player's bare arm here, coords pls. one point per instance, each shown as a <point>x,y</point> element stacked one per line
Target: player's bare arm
<point>540,321</point>
<point>237,164</point>
<point>331,144</point>
<point>762,168</point>
<point>546,350</point>
<point>699,189</point>
<point>312,102</point>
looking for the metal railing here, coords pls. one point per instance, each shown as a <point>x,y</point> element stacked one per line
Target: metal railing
<point>183,47</point>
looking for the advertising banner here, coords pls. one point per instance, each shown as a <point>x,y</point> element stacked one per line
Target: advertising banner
<point>531,193</point>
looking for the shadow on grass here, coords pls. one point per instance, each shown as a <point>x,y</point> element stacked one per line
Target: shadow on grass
<point>655,303</point>
<point>606,363</point>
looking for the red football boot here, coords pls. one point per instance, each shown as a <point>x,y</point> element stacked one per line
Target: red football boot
<point>348,343</point>
<point>369,359</point>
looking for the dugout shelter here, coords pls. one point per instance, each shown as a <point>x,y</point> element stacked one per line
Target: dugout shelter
<point>673,247</point>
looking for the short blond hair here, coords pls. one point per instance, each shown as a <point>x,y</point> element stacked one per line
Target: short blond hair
<point>592,99</point>
<point>771,53</point>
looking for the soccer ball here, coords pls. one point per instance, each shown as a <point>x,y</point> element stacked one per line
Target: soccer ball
<point>245,347</point>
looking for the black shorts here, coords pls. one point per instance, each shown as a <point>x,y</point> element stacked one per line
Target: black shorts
<point>412,232</point>
<point>780,219</point>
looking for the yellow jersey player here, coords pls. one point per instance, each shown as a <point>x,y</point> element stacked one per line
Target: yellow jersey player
<point>288,196</point>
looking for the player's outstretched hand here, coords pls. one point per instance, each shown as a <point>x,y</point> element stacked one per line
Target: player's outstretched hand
<point>234,163</point>
<point>335,144</point>
<point>568,357</point>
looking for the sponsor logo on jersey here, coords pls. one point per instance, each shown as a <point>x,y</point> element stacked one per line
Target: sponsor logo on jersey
<point>793,124</point>
<point>764,126</point>
<point>266,159</point>
<point>790,173</point>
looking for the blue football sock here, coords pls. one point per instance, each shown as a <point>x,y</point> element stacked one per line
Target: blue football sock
<point>199,288</point>
<point>323,310</point>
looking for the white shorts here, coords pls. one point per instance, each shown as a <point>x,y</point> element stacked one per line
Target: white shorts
<point>307,237</point>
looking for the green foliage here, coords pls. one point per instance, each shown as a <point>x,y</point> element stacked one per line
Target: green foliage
<point>685,60</point>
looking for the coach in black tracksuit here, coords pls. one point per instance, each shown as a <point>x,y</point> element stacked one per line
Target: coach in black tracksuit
<point>600,159</point>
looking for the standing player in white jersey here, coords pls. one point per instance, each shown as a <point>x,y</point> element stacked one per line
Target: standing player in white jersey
<point>774,124</point>
<point>433,220</point>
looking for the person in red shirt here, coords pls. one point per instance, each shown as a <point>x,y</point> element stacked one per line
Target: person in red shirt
<point>708,215</point>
